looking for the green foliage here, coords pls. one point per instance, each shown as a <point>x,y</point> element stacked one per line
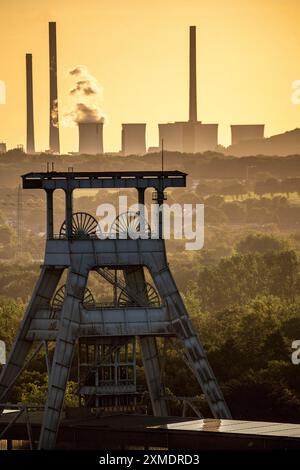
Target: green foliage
<point>259,243</point>
<point>17,281</point>
<point>35,391</point>
<point>240,278</point>
<point>11,313</point>
<point>249,348</point>
<point>6,235</point>
<point>245,308</point>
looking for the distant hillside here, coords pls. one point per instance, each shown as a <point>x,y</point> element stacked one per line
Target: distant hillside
<point>198,166</point>
<point>284,144</point>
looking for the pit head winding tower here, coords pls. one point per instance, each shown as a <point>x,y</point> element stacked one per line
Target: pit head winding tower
<point>68,314</point>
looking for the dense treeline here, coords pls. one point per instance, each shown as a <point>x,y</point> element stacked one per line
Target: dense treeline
<point>246,311</point>
<point>206,165</point>
<point>242,289</point>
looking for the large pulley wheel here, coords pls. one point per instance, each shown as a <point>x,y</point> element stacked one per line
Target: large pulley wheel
<point>130,225</point>
<point>146,298</point>
<point>59,296</point>
<point>84,226</point>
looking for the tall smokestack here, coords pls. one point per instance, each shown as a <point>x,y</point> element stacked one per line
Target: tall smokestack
<point>53,124</point>
<point>29,106</point>
<point>193,76</point>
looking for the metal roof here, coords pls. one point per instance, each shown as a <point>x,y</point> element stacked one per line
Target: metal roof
<point>237,427</point>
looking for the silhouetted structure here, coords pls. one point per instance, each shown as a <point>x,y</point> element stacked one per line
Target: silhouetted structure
<point>171,135</point>
<point>68,314</point>
<point>2,147</point>
<point>133,139</point>
<point>205,137</point>
<point>30,147</point>
<point>287,143</point>
<point>191,136</point>
<point>90,138</point>
<point>193,76</point>
<point>53,123</point>
<point>242,132</point>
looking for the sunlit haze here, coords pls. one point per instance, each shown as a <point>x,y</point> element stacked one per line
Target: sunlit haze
<point>247,59</point>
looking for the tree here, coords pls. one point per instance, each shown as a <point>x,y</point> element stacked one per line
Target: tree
<point>6,235</point>
<point>259,243</point>
<point>234,211</point>
<point>242,277</point>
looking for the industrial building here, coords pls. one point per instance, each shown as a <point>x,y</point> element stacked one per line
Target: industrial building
<point>53,105</point>
<point>30,146</point>
<point>242,132</point>
<point>2,147</point>
<point>171,135</point>
<point>191,136</point>
<point>90,138</point>
<point>133,139</point>
<point>180,136</point>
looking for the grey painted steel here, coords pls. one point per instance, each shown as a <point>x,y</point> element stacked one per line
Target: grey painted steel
<point>152,367</point>
<point>135,280</point>
<point>42,294</point>
<point>63,355</point>
<point>132,321</point>
<point>74,320</point>
<point>125,179</point>
<point>50,224</point>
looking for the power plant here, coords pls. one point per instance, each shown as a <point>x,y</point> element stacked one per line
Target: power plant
<point>30,147</point>
<point>243,132</point>
<point>90,138</point>
<point>181,136</point>
<point>53,105</point>
<point>106,322</point>
<point>133,139</point>
<point>191,136</point>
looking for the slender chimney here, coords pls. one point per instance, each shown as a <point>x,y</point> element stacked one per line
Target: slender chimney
<point>53,124</point>
<point>29,105</point>
<point>193,76</point>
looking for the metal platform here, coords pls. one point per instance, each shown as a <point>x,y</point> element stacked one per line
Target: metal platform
<point>93,180</point>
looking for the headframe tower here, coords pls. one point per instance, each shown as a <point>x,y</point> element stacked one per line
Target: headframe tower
<point>68,315</point>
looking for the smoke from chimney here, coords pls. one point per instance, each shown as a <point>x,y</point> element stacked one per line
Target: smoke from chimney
<point>86,96</point>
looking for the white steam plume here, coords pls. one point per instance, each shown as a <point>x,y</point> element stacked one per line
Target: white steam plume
<point>86,97</point>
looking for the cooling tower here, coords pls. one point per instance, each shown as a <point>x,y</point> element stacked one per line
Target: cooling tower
<point>53,118</point>
<point>30,148</point>
<point>242,132</point>
<point>133,139</point>
<point>90,138</point>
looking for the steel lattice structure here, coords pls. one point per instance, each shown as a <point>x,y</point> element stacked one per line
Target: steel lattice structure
<point>142,311</point>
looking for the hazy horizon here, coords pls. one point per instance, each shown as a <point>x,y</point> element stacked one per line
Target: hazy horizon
<point>138,51</point>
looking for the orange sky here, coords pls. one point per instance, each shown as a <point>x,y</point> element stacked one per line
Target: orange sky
<point>248,56</point>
